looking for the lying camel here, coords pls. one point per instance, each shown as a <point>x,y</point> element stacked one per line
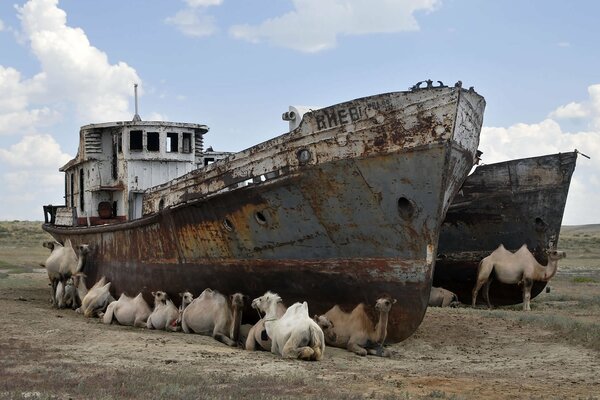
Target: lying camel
<point>257,336</point>
<point>62,263</point>
<point>186,300</point>
<point>131,311</point>
<point>96,300</point>
<point>216,315</point>
<point>165,314</point>
<point>520,267</point>
<point>295,334</point>
<point>440,297</point>
<point>355,331</point>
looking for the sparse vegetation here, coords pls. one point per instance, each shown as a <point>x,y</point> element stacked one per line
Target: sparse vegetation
<point>583,279</point>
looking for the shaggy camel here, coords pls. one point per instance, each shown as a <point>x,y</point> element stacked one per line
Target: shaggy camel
<point>257,336</point>
<point>186,300</point>
<point>440,297</point>
<point>520,267</point>
<point>131,311</point>
<point>295,334</point>
<point>355,331</point>
<point>96,299</point>
<point>62,263</point>
<point>165,314</point>
<point>216,315</point>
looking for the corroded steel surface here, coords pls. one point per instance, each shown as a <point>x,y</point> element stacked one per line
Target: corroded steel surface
<point>512,203</point>
<point>354,218</point>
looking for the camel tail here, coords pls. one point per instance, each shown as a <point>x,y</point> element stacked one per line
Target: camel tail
<point>318,343</point>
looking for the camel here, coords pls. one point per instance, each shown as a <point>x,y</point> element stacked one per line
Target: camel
<point>214,314</point>
<point>295,334</point>
<point>165,314</point>
<point>520,267</point>
<point>96,300</point>
<point>131,311</point>
<point>186,300</point>
<point>355,331</point>
<point>440,297</point>
<point>63,262</point>
<point>257,336</point>
<point>71,296</point>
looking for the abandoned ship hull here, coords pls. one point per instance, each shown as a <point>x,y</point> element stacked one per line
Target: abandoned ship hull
<point>511,203</point>
<point>338,227</point>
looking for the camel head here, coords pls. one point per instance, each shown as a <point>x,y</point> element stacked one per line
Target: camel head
<point>238,300</point>
<point>51,244</point>
<point>77,277</point>
<point>83,249</point>
<point>263,302</point>
<point>555,255</point>
<point>186,298</point>
<point>160,297</point>
<point>384,303</point>
<point>326,326</point>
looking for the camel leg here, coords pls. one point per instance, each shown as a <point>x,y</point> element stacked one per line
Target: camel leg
<point>221,337</point>
<point>250,341</point>
<point>476,288</point>
<point>486,292</point>
<point>527,284</point>
<point>139,323</point>
<point>290,350</point>
<point>108,316</point>
<point>53,292</point>
<point>355,348</point>
<point>380,352</point>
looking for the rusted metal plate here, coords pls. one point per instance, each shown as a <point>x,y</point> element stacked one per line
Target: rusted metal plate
<point>341,210</point>
<point>511,203</point>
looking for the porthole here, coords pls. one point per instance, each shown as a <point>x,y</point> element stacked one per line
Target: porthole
<point>260,217</point>
<point>227,224</point>
<point>304,156</point>
<point>161,204</point>
<point>406,209</point>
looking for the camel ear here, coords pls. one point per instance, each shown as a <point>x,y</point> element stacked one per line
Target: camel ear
<point>153,294</point>
<point>394,302</point>
<point>180,294</point>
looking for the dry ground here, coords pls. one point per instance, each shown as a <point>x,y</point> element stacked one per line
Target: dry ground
<point>552,352</point>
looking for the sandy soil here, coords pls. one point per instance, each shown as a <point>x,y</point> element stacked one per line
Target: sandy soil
<point>456,353</point>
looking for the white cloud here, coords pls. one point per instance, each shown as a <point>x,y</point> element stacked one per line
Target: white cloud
<point>1,25</point>
<point>315,25</point>
<point>587,109</point>
<point>203,3</point>
<point>571,110</point>
<point>193,22</point>
<point>36,151</point>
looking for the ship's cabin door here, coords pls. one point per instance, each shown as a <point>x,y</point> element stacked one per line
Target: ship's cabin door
<point>135,205</point>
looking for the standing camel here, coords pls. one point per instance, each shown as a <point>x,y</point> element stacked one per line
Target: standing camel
<point>63,262</point>
<point>520,268</point>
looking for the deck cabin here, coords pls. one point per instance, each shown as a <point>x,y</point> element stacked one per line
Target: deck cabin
<point>117,161</point>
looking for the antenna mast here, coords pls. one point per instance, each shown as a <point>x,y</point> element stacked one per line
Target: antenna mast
<point>136,117</point>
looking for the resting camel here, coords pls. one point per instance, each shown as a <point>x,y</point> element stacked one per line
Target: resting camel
<point>96,299</point>
<point>520,267</point>
<point>131,311</point>
<point>257,336</point>
<point>216,315</point>
<point>295,334</point>
<point>165,314</point>
<point>440,297</point>
<point>355,331</point>
<point>62,263</point>
<point>186,300</point>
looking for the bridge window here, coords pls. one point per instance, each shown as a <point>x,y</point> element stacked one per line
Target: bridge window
<point>136,142</point>
<point>153,141</point>
<point>187,143</point>
<point>81,191</point>
<point>172,142</point>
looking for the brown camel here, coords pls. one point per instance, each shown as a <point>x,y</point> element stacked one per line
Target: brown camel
<point>440,297</point>
<point>355,331</point>
<point>257,336</point>
<point>520,267</point>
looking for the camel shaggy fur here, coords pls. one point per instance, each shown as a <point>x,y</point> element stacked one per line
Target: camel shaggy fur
<point>257,336</point>
<point>295,334</point>
<point>96,299</point>
<point>520,267</point>
<point>165,314</point>
<point>63,262</point>
<point>440,297</point>
<point>131,311</point>
<point>355,331</point>
<point>214,314</point>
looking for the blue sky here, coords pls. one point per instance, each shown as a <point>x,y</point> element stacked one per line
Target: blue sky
<point>237,65</point>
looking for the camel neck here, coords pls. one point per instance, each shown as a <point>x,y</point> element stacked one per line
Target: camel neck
<point>547,272</point>
<point>235,327</point>
<point>381,327</point>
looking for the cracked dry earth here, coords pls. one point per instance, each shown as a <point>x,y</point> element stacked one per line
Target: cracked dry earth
<point>456,353</point>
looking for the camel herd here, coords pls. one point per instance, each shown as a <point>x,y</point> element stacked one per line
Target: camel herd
<point>289,332</point>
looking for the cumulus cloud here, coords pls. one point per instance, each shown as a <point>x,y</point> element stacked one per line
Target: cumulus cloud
<point>1,25</point>
<point>194,20</point>
<point>38,151</point>
<point>587,109</point>
<point>315,25</point>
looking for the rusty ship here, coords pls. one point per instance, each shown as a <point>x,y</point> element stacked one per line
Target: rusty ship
<point>345,206</point>
<point>512,203</point>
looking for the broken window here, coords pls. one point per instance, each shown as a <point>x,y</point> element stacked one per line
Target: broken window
<point>187,143</point>
<point>81,191</point>
<point>172,142</point>
<point>153,141</point>
<point>136,142</point>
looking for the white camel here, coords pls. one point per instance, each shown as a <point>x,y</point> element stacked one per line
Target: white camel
<point>440,297</point>
<point>63,262</point>
<point>295,334</point>
<point>216,315</point>
<point>355,331</point>
<point>186,300</point>
<point>96,300</point>
<point>520,267</point>
<point>165,314</point>
<point>257,336</point>
<point>131,311</point>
